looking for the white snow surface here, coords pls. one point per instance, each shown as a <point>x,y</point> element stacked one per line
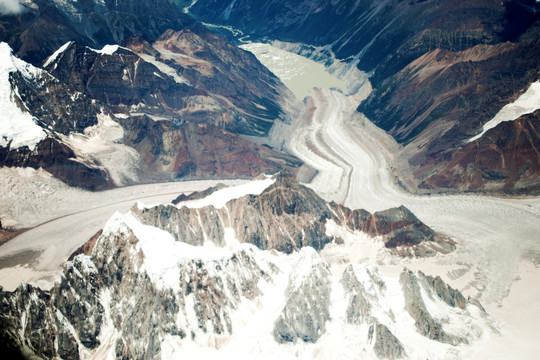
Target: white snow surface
<point>57,53</point>
<point>527,103</point>
<point>17,127</point>
<point>109,49</point>
<point>62,218</point>
<point>162,253</point>
<point>496,237</point>
<point>219,198</point>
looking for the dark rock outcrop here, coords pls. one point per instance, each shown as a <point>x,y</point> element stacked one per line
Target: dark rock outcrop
<point>413,286</point>
<point>400,229</point>
<point>60,160</point>
<point>192,151</point>
<point>108,297</point>
<point>503,157</point>
<point>47,25</point>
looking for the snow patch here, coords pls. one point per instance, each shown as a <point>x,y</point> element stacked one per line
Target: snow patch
<point>103,144</point>
<point>57,53</point>
<point>219,198</point>
<point>164,68</point>
<point>109,49</point>
<point>525,104</point>
<point>17,127</point>
<point>163,255</point>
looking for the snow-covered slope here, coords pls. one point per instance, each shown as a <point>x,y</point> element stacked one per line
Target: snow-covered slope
<point>17,127</point>
<point>140,291</point>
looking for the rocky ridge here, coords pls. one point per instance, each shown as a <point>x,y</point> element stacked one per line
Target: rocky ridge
<point>140,292</point>
<point>287,216</point>
<point>170,106</point>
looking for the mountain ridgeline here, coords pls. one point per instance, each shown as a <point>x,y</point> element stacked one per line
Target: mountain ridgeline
<point>163,277</point>
<point>162,96</point>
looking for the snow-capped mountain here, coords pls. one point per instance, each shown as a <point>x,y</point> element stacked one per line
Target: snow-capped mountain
<point>138,291</point>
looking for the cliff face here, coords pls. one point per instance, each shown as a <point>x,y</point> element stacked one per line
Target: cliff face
<point>440,70</point>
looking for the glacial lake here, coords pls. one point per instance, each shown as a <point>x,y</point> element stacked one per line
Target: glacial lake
<point>298,73</point>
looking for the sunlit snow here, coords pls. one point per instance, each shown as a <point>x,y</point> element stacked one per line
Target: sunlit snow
<point>526,103</point>
<point>17,127</point>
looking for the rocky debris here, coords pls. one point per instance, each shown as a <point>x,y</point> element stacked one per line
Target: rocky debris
<point>419,291</point>
<point>307,304</point>
<point>401,230</point>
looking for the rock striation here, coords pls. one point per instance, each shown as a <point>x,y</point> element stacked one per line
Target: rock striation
<point>439,70</point>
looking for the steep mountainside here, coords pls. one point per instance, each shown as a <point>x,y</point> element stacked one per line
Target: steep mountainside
<point>144,289</point>
<point>171,104</point>
<point>440,71</point>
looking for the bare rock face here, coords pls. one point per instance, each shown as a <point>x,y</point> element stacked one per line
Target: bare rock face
<point>36,335</point>
<point>192,226</point>
<point>439,70</point>
<point>503,157</point>
<point>286,216</point>
<point>366,290</point>
<point>173,150</point>
<point>401,230</point>
<point>387,346</point>
<point>419,289</point>
<point>152,279</point>
<point>60,160</point>
<point>112,300</point>
<point>307,300</point>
